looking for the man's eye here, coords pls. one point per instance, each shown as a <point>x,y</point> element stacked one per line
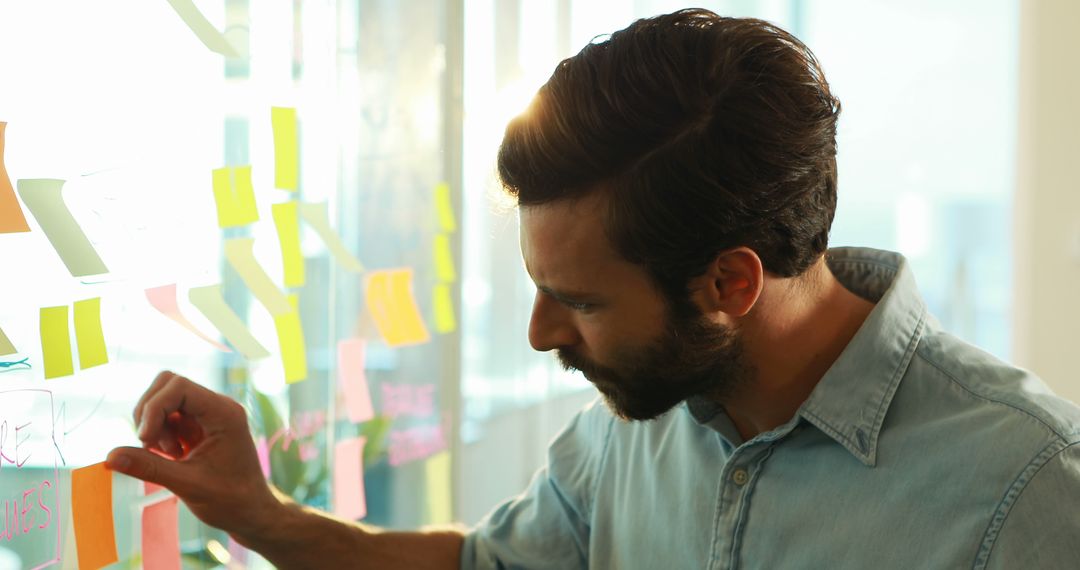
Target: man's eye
<point>579,306</point>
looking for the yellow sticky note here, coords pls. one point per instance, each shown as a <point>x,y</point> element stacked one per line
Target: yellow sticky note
<point>444,259</point>
<point>287,220</point>
<point>210,36</point>
<point>212,305</point>
<point>56,342</point>
<point>12,219</point>
<point>42,197</point>
<point>444,208</point>
<point>393,307</point>
<point>234,195</point>
<point>316,216</point>
<point>88,335</point>
<point>286,149</point>
<point>240,253</point>
<point>6,347</point>
<point>437,474</point>
<point>444,309</point>
<point>291,342</point>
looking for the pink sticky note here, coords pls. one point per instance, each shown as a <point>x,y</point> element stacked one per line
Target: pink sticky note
<point>349,499</point>
<point>263,449</point>
<point>151,488</point>
<point>353,380</point>
<point>161,536</point>
<point>164,300</point>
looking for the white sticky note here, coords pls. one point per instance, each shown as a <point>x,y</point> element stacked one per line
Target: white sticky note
<point>212,304</point>
<point>240,253</point>
<point>210,36</point>
<point>42,197</point>
<point>316,216</point>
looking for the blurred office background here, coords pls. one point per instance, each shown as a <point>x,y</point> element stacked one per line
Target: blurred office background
<point>957,145</point>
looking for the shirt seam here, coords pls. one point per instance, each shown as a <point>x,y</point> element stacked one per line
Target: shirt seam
<point>1064,437</point>
<point>601,465</point>
<point>1012,497</point>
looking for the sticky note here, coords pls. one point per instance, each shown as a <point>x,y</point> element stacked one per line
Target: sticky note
<point>444,209</point>
<point>163,299</point>
<point>444,259</point>
<point>210,36</point>
<point>56,342</point>
<point>88,334</point>
<point>437,475</point>
<point>390,299</point>
<point>353,380</point>
<point>287,220</point>
<point>317,216</point>
<point>161,535</point>
<point>42,197</point>
<point>6,347</point>
<point>234,196</point>
<point>240,254</point>
<point>212,305</point>
<point>92,514</point>
<point>349,499</point>
<point>291,342</point>
<point>12,219</point>
<point>151,488</point>
<point>286,149</point>
<point>443,304</point>
<point>262,449</point>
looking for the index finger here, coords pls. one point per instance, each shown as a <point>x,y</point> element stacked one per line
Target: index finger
<point>177,394</point>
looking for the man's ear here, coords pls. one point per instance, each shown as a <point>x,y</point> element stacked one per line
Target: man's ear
<point>731,284</point>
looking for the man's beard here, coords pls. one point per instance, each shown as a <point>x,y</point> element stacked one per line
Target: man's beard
<point>692,357</point>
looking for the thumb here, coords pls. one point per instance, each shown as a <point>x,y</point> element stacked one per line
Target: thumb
<point>142,464</point>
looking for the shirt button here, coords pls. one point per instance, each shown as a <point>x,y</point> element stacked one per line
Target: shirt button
<point>740,477</point>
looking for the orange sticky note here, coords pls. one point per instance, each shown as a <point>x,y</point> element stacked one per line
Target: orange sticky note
<point>393,307</point>
<point>354,381</point>
<point>161,536</point>
<point>12,219</point>
<point>92,515</point>
<point>349,499</point>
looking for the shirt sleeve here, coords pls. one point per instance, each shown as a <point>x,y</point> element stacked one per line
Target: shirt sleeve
<point>1042,528</point>
<point>547,526</point>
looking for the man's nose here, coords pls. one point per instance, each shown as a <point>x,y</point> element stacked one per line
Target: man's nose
<point>550,326</point>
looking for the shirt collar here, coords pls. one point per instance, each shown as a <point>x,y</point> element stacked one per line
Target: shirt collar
<point>849,402</point>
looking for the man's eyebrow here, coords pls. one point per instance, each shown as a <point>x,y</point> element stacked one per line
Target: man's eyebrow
<point>565,295</point>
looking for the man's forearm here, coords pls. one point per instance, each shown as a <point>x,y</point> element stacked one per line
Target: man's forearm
<point>302,537</point>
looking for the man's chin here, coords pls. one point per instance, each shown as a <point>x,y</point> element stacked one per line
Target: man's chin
<point>630,410</point>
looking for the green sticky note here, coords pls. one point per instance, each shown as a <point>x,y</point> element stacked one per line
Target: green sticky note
<point>6,347</point>
<point>56,342</point>
<point>287,220</point>
<point>444,259</point>
<point>88,335</point>
<point>286,149</point>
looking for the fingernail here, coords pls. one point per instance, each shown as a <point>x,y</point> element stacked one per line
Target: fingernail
<point>121,463</point>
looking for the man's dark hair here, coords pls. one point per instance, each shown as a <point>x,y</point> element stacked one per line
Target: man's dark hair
<point>706,133</point>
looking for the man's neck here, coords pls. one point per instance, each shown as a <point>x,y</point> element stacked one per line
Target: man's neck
<point>795,335</point>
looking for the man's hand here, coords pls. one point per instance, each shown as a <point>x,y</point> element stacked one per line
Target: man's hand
<point>197,445</point>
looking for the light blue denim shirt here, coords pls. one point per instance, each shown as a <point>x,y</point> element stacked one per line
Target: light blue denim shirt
<point>915,450</point>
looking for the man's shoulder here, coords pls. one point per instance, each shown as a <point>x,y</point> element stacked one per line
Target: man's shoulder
<point>989,386</point>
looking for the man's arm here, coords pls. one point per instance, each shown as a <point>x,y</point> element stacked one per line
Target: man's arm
<point>197,445</point>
